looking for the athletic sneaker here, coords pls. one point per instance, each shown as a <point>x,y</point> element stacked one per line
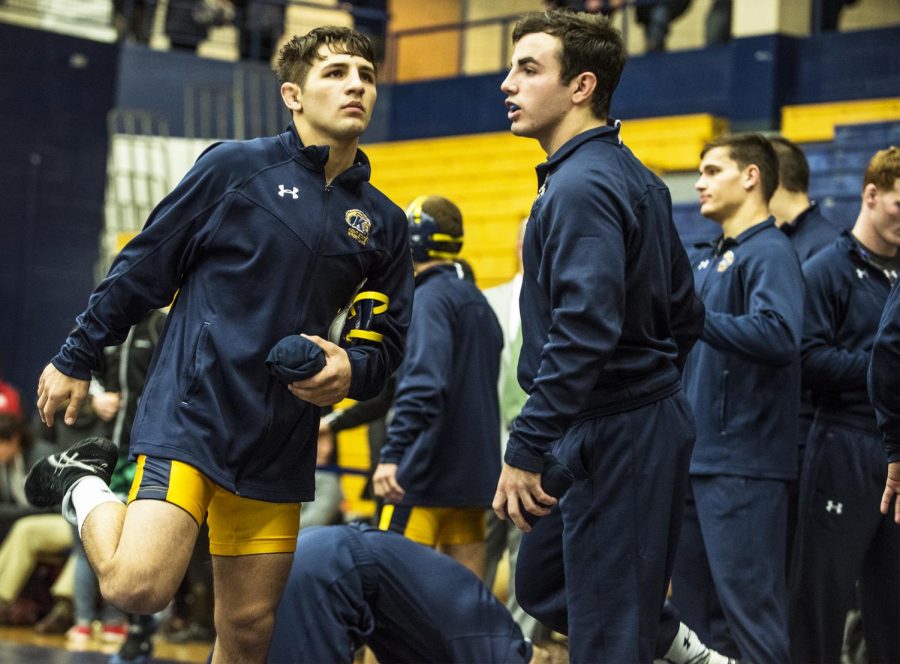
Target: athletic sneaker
<point>51,477</point>
<point>138,647</point>
<point>687,648</point>
<point>114,632</point>
<point>80,634</point>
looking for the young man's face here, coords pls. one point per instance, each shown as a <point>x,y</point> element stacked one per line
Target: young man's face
<point>536,98</point>
<point>886,212</point>
<point>338,95</point>
<point>721,185</point>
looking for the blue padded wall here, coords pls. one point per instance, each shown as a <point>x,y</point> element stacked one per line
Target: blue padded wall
<point>56,92</point>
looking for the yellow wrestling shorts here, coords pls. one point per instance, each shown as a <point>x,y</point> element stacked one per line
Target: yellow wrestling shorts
<point>435,526</point>
<point>238,526</point>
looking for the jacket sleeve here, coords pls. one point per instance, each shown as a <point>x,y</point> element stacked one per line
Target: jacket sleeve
<point>372,363</point>
<point>686,312</point>
<point>769,332</point>
<point>587,303</point>
<point>826,366</point>
<point>147,272</point>
<point>884,375</point>
<point>422,381</point>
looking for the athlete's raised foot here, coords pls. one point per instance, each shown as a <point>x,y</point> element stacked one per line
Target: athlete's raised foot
<point>51,477</point>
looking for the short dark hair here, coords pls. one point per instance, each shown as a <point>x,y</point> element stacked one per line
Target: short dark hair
<point>296,57</point>
<point>445,213</point>
<point>589,43</point>
<point>883,169</point>
<point>747,149</point>
<point>793,169</point>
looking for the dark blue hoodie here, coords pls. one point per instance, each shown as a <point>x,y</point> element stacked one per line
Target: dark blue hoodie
<point>257,248</point>
<point>608,305</point>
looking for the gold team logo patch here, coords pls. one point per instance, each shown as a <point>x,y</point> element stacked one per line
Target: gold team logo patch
<point>360,225</point>
<point>727,260</point>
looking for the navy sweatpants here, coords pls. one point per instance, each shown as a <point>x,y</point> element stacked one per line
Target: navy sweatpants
<point>729,580</point>
<point>842,538</point>
<point>355,585</point>
<point>620,522</point>
<point>541,582</point>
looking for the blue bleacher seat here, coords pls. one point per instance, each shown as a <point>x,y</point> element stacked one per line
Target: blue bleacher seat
<point>879,134</point>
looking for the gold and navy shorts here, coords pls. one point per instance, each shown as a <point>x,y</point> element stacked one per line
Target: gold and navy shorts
<point>435,526</point>
<point>238,526</point>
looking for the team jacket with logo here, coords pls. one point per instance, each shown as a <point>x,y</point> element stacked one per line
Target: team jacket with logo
<point>845,295</point>
<point>608,305</point>
<point>743,378</point>
<point>257,248</point>
<point>884,374</point>
<point>445,434</point>
<point>810,232</point>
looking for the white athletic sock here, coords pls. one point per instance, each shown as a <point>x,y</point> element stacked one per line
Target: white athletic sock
<point>687,648</point>
<point>83,496</point>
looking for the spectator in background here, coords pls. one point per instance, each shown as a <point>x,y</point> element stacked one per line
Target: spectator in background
<point>260,25</point>
<point>743,382</point>
<point>718,23</point>
<point>442,454</point>
<point>134,19</point>
<point>656,17</point>
<point>800,219</point>
<point>842,536</point>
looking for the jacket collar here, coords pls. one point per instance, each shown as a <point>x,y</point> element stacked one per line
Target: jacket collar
<point>792,227</point>
<point>608,133</point>
<point>434,271</point>
<point>722,243</point>
<point>314,158</point>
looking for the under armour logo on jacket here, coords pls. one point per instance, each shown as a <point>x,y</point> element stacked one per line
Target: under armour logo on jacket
<point>282,190</point>
<point>861,273</point>
<point>832,506</point>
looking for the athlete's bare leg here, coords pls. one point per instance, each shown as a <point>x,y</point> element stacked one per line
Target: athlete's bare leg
<point>247,590</point>
<point>139,552</point>
<point>471,556</point>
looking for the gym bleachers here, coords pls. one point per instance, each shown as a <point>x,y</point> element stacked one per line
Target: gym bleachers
<point>491,177</point>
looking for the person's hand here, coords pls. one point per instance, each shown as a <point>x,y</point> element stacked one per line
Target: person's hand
<point>892,490</point>
<point>518,489</point>
<point>332,383</point>
<point>324,445</point>
<point>385,485</point>
<point>106,405</point>
<point>55,389</point>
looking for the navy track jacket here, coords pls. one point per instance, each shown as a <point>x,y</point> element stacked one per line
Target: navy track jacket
<point>608,305</point>
<point>743,378</point>
<point>445,434</point>
<point>884,374</point>
<point>810,232</point>
<point>845,295</point>
<point>257,248</point>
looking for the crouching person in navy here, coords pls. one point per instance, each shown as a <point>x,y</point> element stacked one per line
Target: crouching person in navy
<point>351,586</point>
<point>842,535</point>
<point>262,240</point>
<point>743,381</point>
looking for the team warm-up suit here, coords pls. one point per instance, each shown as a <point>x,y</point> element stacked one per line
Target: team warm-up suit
<point>608,314</point>
<point>842,535</point>
<point>355,585</point>
<point>884,375</point>
<point>258,248</point>
<point>743,381</point>
<point>446,426</point>
<point>810,232</point>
